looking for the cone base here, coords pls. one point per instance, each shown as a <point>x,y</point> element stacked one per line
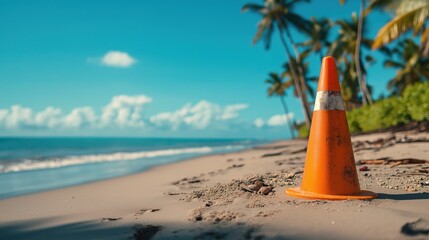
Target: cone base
<point>362,195</point>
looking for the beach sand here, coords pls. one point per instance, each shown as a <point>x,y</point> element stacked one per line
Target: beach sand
<point>211,197</point>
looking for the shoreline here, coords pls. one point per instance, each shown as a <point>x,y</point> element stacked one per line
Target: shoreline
<point>179,159</point>
<point>152,168</point>
<point>181,200</point>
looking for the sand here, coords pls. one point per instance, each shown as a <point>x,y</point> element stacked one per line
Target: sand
<point>238,196</point>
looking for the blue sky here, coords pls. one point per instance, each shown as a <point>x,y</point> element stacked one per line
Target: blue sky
<point>188,68</point>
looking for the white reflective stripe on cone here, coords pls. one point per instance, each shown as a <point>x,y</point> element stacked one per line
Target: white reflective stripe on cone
<point>328,100</point>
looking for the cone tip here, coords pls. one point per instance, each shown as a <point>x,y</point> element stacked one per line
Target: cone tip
<point>328,75</point>
<point>329,59</point>
<point>328,63</point>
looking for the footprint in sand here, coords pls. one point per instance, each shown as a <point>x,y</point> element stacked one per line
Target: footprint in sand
<point>192,180</point>
<point>235,166</point>
<point>146,210</point>
<point>267,213</point>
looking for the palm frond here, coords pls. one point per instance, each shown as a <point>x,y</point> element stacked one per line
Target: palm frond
<point>311,91</point>
<point>268,33</point>
<point>300,23</point>
<point>313,79</point>
<point>425,45</point>
<point>424,37</point>
<point>305,43</point>
<point>407,5</point>
<point>412,19</point>
<point>387,5</point>
<point>262,27</point>
<point>287,84</point>
<point>393,64</point>
<point>252,8</point>
<point>304,54</point>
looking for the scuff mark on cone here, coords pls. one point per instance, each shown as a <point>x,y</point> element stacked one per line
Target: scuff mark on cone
<point>328,100</point>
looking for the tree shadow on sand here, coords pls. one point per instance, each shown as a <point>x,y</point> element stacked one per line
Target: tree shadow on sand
<point>77,230</point>
<point>117,230</point>
<point>406,196</point>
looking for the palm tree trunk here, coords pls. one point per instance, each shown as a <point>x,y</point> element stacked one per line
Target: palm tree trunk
<point>425,47</point>
<point>295,78</point>
<point>301,71</point>
<point>365,85</point>
<point>285,108</point>
<point>366,96</point>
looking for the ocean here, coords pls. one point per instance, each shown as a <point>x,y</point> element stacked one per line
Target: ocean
<point>29,165</point>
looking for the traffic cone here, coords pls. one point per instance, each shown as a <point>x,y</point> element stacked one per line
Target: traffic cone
<point>330,170</point>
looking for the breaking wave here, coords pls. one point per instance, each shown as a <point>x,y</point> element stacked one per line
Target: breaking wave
<point>33,164</point>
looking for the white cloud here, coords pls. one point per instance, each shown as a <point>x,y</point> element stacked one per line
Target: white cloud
<point>80,117</point>
<point>273,121</point>
<point>279,120</point>
<point>49,118</point>
<point>124,111</point>
<point>259,122</point>
<point>231,111</point>
<point>16,116</point>
<point>117,59</point>
<point>198,116</point>
<point>170,119</point>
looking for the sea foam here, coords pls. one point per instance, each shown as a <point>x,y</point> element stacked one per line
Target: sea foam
<point>36,164</point>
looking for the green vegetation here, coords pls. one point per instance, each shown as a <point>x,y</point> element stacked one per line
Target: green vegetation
<point>413,105</point>
<point>303,131</point>
<point>382,114</point>
<point>347,41</point>
<point>416,98</point>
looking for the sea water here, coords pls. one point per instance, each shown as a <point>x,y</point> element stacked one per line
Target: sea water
<point>29,165</point>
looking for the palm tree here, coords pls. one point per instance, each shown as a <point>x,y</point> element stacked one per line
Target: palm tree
<point>277,87</point>
<point>318,36</point>
<point>366,96</point>
<point>287,74</point>
<point>349,85</point>
<point>410,15</point>
<point>346,44</point>
<point>278,14</point>
<point>357,58</point>
<point>412,67</point>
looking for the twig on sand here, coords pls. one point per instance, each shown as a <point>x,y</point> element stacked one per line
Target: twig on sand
<point>272,154</point>
<point>381,143</point>
<point>146,210</point>
<point>236,166</point>
<point>270,147</point>
<point>173,193</point>
<point>299,150</point>
<point>392,162</point>
<point>284,152</point>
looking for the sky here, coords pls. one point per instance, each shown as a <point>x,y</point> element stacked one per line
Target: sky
<point>149,68</point>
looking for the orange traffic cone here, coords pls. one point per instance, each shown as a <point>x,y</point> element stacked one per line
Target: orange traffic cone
<point>330,170</point>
